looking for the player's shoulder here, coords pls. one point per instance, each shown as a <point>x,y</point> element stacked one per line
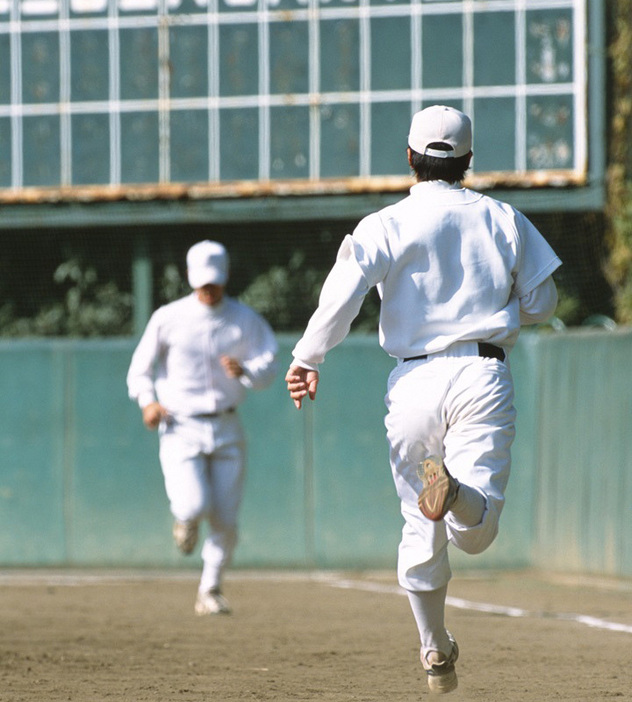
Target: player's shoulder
<point>393,210</point>
<point>174,308</point>
<point>232,304</point>
<point>409,206</point>
<point>499,207</point>
<point>237,308</point>
<point>511,220</point>
<point>376,222</point>
<point>490,201</point>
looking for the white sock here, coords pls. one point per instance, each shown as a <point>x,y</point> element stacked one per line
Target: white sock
<point>469,506</point>
<point>211,578</point>
<point>429,611</point>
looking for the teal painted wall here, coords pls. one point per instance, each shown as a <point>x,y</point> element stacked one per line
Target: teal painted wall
<point>584,478</point>
<point>80,482</point>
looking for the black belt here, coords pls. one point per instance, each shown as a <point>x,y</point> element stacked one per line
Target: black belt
<point>212,415</point>
<point>484,350</point>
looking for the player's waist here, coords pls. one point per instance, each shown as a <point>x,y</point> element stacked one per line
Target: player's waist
<point>213,415</point>
<point>180,417</point>
<point>462,349</point>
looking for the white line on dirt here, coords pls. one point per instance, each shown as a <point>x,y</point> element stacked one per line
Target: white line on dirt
<point>51,577</point>
<point>500,610</point>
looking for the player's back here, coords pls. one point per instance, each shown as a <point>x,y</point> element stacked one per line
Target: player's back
<point>452,253</point>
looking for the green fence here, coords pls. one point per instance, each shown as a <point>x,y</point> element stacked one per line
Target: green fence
<point>80,483</point>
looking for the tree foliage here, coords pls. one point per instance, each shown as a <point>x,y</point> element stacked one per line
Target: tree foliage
<point>619,175</point>
<point>87,308</point>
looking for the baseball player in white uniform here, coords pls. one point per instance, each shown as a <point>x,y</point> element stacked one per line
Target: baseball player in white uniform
<point>457,273</point>
<point>191,369</point>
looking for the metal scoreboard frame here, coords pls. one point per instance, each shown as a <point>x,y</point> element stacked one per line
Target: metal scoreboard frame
<point>129,111</point>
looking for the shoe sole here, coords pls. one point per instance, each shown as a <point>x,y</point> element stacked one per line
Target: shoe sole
<point>447,681</point>
<point>212,604</point>
<point>442,684</point>
<point>188,543</point>
<point>203,612</point>
<point>436,488</point>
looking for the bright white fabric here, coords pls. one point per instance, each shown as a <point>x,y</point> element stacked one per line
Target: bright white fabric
<point>449,264</point>
<point>177,359</point>
<point>469,507</point>
<point>453,268</point>
<point>544,297</point>
<point>203,463</point>
<point>459,407</point>
<point>428,608</point>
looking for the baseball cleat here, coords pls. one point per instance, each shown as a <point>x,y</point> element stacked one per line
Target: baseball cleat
<point>439,490</point>
<point>185,534</point>
<point>211,602</point>
<point>440,670</point>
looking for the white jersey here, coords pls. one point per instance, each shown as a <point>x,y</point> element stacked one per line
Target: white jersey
<point>177,360</point>
<point>450,265</point>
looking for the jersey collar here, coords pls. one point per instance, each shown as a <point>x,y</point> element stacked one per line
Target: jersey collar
<point>435,186</point>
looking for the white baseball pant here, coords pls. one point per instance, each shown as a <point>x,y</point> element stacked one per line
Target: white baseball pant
<point>459,406</point>
<point>203,463</point>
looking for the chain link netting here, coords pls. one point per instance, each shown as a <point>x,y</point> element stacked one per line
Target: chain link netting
<point>79,283</point>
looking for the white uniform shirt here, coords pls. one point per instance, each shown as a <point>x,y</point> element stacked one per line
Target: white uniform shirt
<point>449,264</point>
<point>177,359</point>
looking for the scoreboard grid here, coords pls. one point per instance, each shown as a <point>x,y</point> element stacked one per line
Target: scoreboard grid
<point>100,96</point>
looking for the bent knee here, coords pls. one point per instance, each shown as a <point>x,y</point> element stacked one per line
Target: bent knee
<point>473,540</point>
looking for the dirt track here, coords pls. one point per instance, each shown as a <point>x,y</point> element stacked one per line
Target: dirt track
<point>299,638</point>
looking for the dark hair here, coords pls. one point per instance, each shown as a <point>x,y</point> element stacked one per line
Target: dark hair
<point>452,170</point>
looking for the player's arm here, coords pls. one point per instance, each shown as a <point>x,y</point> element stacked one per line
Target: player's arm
<point>539,304</point>
<point>535,264</point>
<point>140,376</point>
<point>153,414</point>
<point>258,367</point>
<point>301,382</point>
<point>231,366</point>
<point>340,300</point>
<point>361,263</point>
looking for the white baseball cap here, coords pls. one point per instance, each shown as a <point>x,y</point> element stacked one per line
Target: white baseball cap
<point>441,124</point>
<point>207,263</point>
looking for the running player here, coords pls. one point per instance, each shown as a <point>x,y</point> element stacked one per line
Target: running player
<point>191,369</point>
<point>457,273</point>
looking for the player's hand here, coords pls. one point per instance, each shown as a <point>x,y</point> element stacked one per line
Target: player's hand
<point>301,383</point>
<point>153,414</point>
<point>232,367</point>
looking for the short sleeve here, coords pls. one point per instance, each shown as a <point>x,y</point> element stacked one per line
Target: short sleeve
<point>536,260</point>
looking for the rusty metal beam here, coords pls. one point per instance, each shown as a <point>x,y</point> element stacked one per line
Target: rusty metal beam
<point>277,188</point>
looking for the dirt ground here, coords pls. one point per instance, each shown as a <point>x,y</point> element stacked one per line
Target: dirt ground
<point>336,637</point>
